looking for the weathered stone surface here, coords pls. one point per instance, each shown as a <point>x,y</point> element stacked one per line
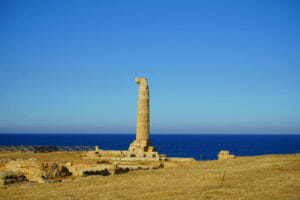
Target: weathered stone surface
<point>142,128</point>
<point>35,170</point>
<point>31,168</point>
<point>54,170</point>
<point>224,155</point>
<point>142,142</point>
<point>8,177</point>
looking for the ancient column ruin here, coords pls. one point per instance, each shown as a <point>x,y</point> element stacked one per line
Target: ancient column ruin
<point>141,148</point>
<point>142,142</point>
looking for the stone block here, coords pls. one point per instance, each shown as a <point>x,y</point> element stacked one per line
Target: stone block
<point>225,155</point>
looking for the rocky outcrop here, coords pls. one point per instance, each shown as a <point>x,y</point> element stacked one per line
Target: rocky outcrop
<point>35,170</point>
<point>225,155</point>
<point>7,177</point>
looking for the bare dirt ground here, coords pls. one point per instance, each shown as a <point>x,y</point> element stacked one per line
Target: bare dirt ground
<point>260,177</point>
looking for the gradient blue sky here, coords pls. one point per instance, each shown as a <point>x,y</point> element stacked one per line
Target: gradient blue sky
<point>212,66</point>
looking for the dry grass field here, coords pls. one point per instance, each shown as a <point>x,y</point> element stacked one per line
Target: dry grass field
<point>261,177</point>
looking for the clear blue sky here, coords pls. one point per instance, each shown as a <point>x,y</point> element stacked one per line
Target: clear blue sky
<point>212,66</point>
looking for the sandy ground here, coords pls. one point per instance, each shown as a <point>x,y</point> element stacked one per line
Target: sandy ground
<point>261,177</point>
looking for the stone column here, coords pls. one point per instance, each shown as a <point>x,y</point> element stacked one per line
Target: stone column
<point>142,127</point>
<point>142,142</point>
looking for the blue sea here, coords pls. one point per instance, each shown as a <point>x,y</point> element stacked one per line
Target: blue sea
<point>200,147</point>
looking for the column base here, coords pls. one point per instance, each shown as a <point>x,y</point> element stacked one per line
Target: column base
<point>141,146</point>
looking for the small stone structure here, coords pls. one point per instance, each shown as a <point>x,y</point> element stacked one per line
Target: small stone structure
<point>224,155</point>
<point>140,149</point>
<point>33,169</point>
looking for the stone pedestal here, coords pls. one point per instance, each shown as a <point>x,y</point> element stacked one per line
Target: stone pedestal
<point>142,142</point>
<point>141,146</point>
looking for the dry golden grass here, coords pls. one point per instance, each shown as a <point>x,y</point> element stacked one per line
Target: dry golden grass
<point>261,177</point>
